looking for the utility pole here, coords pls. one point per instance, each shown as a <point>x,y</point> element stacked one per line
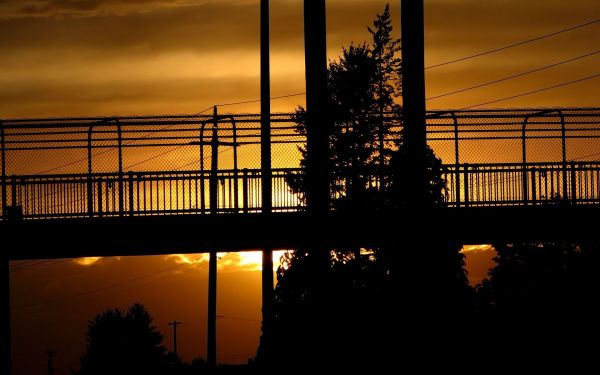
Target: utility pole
<point>174,324</point>
<point>413,95</point>
<point>50,368</point>
<point>266,172</point>
<point>211,345</point>
<point>5,313</point>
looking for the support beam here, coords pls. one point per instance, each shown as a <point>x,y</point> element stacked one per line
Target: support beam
<point>317,125</point>
<point>267,304</point>
<point>265,108</point>
<point>266,179</point>
<point>211,339</point>
<point>5,314</point>
<point>211,336</point>
<point>413,95</point>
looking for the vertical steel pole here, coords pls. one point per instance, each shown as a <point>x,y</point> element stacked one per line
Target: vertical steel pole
<point>214,165</point>
<point>266,172</point>
<point>413,94</point>
<point>5,319</point>
<point>211,352</point>
<point>317,122</point>
<point>265,108</point>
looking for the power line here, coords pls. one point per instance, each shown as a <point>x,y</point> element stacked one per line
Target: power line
<point>167,126</point>
<point>37,265</point>
<point>204,110</point>
<point>258,100</point>
<point>205,158</point>
<point>514,76</point>
<point>514,44</point>
<point>532,92</point>
<point>93,291</point>
<point>585,156</point>
<point>154,157</point>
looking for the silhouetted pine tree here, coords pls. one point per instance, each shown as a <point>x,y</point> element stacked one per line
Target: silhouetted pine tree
<point>349,317</point>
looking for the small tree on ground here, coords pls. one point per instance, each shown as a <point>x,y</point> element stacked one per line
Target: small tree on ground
<point>123,342</point>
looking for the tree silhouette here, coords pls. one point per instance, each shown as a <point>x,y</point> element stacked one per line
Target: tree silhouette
<point>123,342</point>
<point>363,86</point>
<point>346,318</point>
<point>542,299</point>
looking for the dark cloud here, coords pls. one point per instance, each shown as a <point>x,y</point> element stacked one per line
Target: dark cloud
<point>208,27</point>
<point>51,6</point>
<point>80,8</point>
<point>93,55</point>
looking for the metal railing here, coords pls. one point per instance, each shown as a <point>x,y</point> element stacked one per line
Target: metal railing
<point>156,165</point>
<point>188,192</point>
<point>145,193</point>
<point>471,185</point>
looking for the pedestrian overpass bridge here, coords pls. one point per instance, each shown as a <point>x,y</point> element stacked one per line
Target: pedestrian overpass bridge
<point>115,180</point>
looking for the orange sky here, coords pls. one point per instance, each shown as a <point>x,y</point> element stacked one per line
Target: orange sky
<point>53,300</point>
<point>106,57</point>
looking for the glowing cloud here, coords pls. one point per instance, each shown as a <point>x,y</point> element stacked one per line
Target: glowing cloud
<point>470,249</point>
<point>229,262</point>
<point>87,261</point>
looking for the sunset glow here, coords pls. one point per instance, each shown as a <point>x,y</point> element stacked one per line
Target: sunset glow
<point>87,261</point>
<point>68,58</point>
<point>230,262</point>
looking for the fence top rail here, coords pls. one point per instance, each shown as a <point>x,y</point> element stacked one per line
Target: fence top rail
<point>471,167</point>
<point>135,174</point>
<point>282,117</point>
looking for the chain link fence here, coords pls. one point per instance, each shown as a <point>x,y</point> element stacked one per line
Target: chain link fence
<point>149,165</point>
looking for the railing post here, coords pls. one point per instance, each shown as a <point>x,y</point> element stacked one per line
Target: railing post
<point>99,197</point>
<point>90,182</point>
<point>14,212</point>
<point>235,166</point>
<point>202,174</point>
<point>564,152</point>
<point>245,190</point>
<point>533,187</point>
<point>130,180</point>
<point>524,160</point>
<point>573,183</point>
<point>466,178</point>
<point>121,183</point>
<point>3,156</point>
<point>456,159</point>
<point>13,188</point>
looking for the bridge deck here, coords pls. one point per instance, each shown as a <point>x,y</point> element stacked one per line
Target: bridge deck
<point>203,233</point>
<point>144,185</point>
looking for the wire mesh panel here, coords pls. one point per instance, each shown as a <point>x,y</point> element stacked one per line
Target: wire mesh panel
<point>155,165</point>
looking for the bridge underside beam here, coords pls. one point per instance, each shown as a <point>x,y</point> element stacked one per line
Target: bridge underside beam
<point>195,234</point>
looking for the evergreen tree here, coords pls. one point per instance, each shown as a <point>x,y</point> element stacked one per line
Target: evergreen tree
<point>123,342</point>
